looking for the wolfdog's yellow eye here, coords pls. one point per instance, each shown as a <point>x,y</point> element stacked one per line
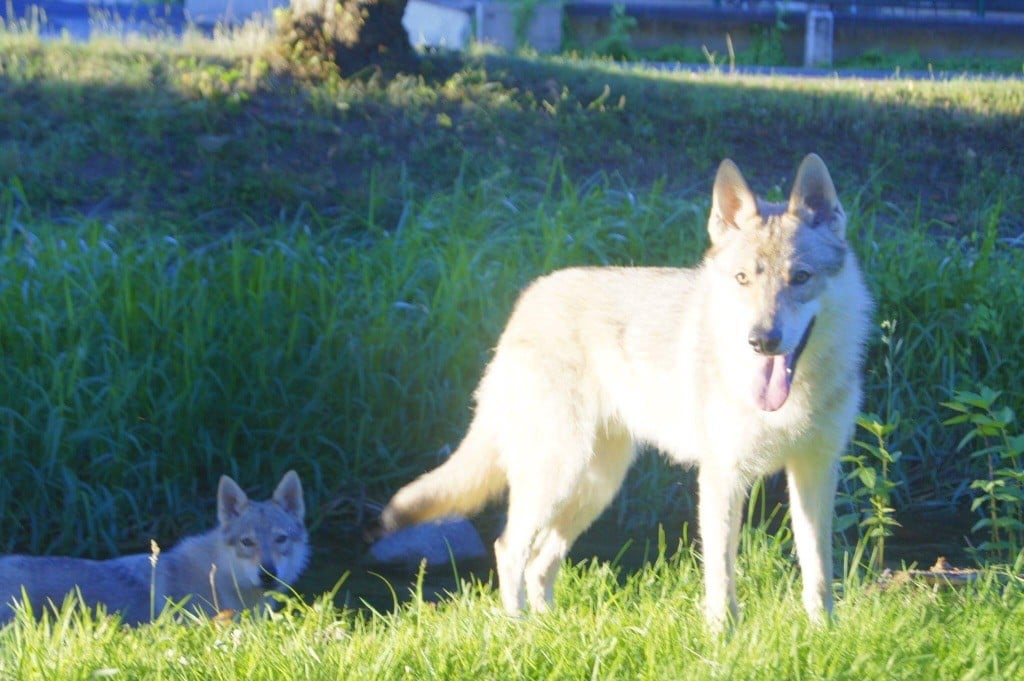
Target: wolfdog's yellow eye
<point>742,279</point>
<point>248,542</point>
<point>799,277</point>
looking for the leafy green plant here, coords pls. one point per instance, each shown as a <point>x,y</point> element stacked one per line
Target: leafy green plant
<point>872,471</point>
<point>872,498</point>
<point>524,12</point>
<point>618,43</point>
<point>1001,493</point>
<point>766,47</point>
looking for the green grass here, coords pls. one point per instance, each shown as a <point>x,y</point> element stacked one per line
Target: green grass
<point>175,357</point>
<point>608,624</point>
<point>231,139</point>
<point>210,265</point>
<point>139,363</point>
<point>912,61</point>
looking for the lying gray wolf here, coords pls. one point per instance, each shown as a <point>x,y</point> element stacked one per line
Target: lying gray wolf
<point>747,364</point>
<point>258,546</point>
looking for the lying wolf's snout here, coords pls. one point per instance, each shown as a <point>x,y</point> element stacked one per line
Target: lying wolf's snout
<point>268,575</point>
<point>765,342</point>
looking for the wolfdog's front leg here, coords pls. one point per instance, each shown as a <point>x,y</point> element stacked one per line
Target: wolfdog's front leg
<point>812,490</point>
<point>721,501</point>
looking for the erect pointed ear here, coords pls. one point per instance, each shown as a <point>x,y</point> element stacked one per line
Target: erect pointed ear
<point>231,500</point>
<point>732,202</point>
<point>814,197</point>
<point>288,495</point>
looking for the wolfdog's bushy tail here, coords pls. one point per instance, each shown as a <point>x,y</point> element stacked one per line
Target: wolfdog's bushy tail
<point>465,482</point>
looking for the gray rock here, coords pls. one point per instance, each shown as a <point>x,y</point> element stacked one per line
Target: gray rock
<point>439,542</point>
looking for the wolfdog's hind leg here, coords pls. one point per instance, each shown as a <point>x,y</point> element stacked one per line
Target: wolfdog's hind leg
<point>598,485</point>
<point>550,549</point>
<point>528,517</point>
<point>536,497</point>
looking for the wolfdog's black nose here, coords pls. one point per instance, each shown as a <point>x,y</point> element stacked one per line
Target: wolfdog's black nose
<point>268,576</point>
<point>765,342</point>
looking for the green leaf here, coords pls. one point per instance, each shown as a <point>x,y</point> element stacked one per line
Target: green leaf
<point>989,395</point>
<point>969,398</point>
<point>987,485</point>
<point>956,406</point>
<point>867,477</point>
<point>1007,523</point>
<point>1004,416</point>
<point>868,447</point>
<point>984,400</point>
<point>966,440</point>
<point>846,521</point>
<point>1013,474</point>
<point>1008,494</point>
<point>981,524</point>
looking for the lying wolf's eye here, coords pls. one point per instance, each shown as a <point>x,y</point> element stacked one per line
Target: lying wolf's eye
<point>742,279</point>
<point>248,542</point>
<point>281,539</point>
<point>800,277</point>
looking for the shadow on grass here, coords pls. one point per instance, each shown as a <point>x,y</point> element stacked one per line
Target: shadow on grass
<point>162,138</point>
<point>922,536</point>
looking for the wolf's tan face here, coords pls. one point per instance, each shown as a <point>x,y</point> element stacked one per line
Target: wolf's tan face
<point>778,258</point>
<point>267,538</point>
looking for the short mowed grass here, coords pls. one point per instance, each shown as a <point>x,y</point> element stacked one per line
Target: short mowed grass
<point>211,265</point>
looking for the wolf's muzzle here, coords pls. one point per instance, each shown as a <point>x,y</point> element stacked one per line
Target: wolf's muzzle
<point>765,342</point>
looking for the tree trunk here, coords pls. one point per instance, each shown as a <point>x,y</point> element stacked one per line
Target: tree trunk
<point>358,33</point>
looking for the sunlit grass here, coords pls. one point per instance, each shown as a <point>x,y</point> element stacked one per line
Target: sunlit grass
<point>608,623</point>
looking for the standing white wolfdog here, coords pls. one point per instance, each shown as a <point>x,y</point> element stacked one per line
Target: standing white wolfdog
<point>744,365</point>
<point>258,546</point>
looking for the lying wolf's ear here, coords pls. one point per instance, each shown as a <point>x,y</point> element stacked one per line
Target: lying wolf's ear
<point>288,495</point>
<point>814,197</point>
<point>732,202</point>
<point>231,500</point>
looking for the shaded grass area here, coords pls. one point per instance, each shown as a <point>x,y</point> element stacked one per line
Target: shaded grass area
<point>139,367</point>
<point>144,137</point>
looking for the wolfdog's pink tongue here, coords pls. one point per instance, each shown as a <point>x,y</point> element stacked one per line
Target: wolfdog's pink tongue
<point>772,382</point>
